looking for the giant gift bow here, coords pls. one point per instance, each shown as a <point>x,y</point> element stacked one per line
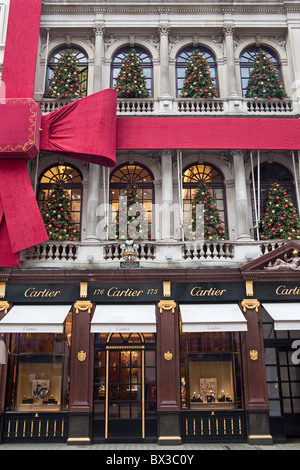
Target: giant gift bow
<point>84,130</point>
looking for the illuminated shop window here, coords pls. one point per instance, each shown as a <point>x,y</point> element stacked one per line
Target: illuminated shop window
<point>210,371</point>
<point>39,367</point>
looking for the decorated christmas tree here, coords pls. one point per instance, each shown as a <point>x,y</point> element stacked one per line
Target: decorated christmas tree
<point>131,82</point>
<point>280,220</point>
<point>264,80</point>
<point>198,81</point>
<point>206,222</point>
<point>65,82</point>
<point>57,217</point>
<point>131,219</point>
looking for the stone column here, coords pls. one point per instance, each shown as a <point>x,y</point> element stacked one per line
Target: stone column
<point>243,226</point>
<point>99,33</point>
<point>166,193</point>
<point>164,30</point>
<point>93,202</point>
<point>228,31</point>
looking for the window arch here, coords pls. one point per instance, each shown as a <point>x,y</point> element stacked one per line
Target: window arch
<point>183,58</point>
<point>247,61</point>
<point>139,175</point>
<point>143,56</point>
<point>207,173</point>
<point>72,182</point>
<point>271,173</point>
<point>81,60</point>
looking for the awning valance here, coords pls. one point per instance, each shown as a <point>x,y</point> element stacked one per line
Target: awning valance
<point>124,319</point>
<point>286,317</point>
<point>198,318</point>
<point>35,319</point>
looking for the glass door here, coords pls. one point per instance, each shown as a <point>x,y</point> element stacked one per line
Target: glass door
<point>125,393</point>
<point>125,387</point>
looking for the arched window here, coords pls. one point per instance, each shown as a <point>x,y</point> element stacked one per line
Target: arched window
<point>143,57</point>
<point>81,60</point>
<point>72,181</point>
<point>247,61</point>
<point>271,173</point>
<point>141,177</point>
<point>214,179</point>
<point>183,59</point>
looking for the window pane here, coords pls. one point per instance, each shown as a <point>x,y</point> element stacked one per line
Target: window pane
<point>82,64</point>
<point>247,62</point>
<point>183,59</point>
<point>143,57</point>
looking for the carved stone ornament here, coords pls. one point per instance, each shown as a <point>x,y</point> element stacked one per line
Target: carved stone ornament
<point>167,305</point>
<point>287,264</point>
<point>81,355</point>
<point>253,355</point>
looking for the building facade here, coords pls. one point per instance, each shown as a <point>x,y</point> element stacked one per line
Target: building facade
<point>169,339</point>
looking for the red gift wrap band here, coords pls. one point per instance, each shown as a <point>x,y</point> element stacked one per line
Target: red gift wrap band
<point>208,133</point>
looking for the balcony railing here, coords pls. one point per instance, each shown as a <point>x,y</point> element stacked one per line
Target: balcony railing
<point>204,251</point>
<point>151,254</point>
<point>51,251</point>
<point>186,106</point>
<point>273,106</point>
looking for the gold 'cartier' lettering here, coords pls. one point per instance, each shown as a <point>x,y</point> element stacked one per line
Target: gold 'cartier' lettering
<point>212,292</point>
<point>32,292</point>
<point>283,290</point>
<point>115,292</point>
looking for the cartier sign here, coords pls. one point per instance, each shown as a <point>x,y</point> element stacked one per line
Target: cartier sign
<point>209,292</point>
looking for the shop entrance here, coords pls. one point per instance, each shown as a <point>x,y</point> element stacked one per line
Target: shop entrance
<point>125,392</point>
<point>124,387</point>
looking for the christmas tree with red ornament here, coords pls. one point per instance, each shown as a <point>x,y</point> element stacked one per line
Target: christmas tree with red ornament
<point>56,214</point>
<point>206,222</point>
<point>132,218</point>
<point>131,82</point>
<point>280,220</point>
<point>264,80</point>
<point>198,82</point>
<point>65,83</point>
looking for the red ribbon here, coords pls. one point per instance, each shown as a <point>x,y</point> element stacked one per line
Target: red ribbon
<point>85,130</point>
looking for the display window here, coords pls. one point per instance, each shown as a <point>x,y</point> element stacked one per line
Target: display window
<point>39,371</point>
<point>210,371</point>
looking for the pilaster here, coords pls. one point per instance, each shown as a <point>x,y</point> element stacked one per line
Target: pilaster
<point>168,373</point>
<point>81,376</point>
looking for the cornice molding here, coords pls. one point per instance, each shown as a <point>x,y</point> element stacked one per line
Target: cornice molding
<point>193,7</point>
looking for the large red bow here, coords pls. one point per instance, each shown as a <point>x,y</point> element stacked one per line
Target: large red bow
<point>85,129</point>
